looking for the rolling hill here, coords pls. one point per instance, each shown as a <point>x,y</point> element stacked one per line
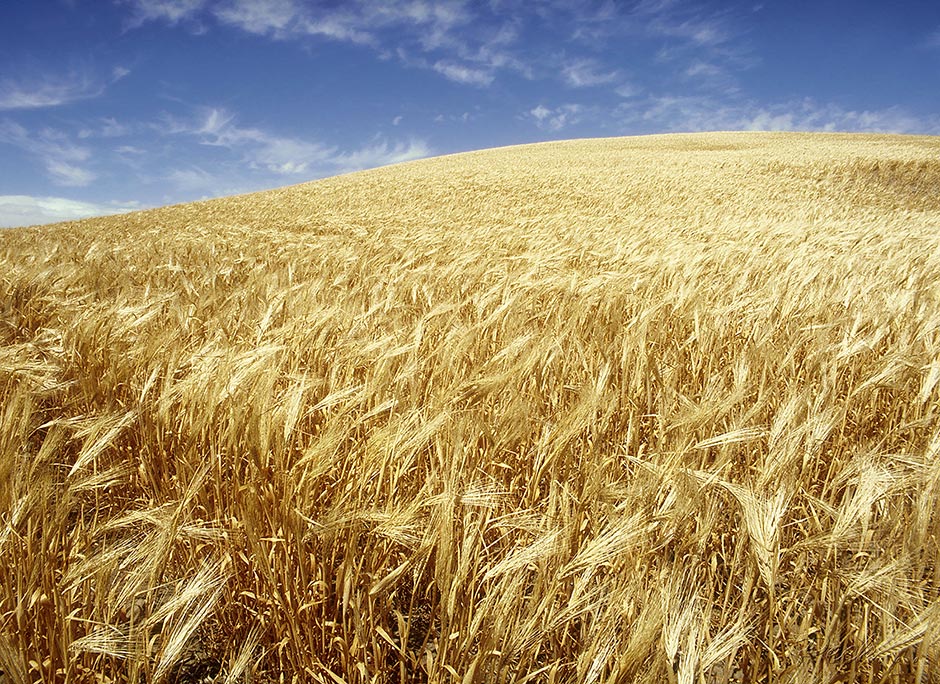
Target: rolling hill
<point>644,409</point>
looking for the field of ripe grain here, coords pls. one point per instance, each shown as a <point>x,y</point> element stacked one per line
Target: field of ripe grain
<point>654,409</point>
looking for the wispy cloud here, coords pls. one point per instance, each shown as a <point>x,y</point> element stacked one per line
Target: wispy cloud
<point>260,16</point>
<point>582,73</point>
<point>356,20</point>
<point>69,175</point>
<point>469,42</point>
<point>446,34</point>
<point>195,180</point>
<point>704,33</point>
<point>59,155</point>
<point>682,24</point>
<point>463,74</point>
<point>628,90</point>
<point>701,69</point>
<point>811,115</point>
<point>262,150</point>
<point>453,118</point>
<point>172,11</point>
<point>25,210</point>
<point>106,127</point>
<point>708,76</point>
<point>701,113</point>
<point>381,153</point>
<point>555,119</point>
<point>687,22</point>
<point>38,90</point>
<point>47,91</point>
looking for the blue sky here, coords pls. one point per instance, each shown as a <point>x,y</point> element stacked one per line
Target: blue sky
<point>113,105</point>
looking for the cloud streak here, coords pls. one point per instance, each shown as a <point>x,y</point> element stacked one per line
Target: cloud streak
<point>463,74</point>
<point>583,73</point>
<point>682,113</point>
<point>258,150</point>
<point>172,11</point>
<point>468,42</point>
<point>26,210</point>
<point>671,113</point>
<point>58,154</point>
<point>685,22</point>
<point>47,91</point>
<point>261,149</point>
<point>393,29</point>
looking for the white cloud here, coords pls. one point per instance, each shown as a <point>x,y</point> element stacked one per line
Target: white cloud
<point>463,74</point>
<point>63,173</point>
<point>474,43</point>
<point>108,127</point>
<point>458,45</point>
<point>683,25</point>
<point>54,149</point>
<point>262,150</point>
<point>466,41</point>
<point>709,76</point>
<point>277,154</point>
<point>47,91</point>
<point>381,154</point>
<point>705,33</point>
<point>453,118</point>
<point>593,23</point>
<point>287,156</point>
<point>557,118</point>
<point>704,70</point>
<point>764,120</point>
<point>40,90</point>
<point>810,115</point>
<point>112,128</point>
<point>628,90</point>
<point>25,210</point>
<point>684,22</point>
<point>172,11</point>
<point>495,50</point>
<point>396,120</point>
<point>196,179</point>
<point>338,27</point>
<point>196,182</point>
<point>541,113</point>
<point>584,73</point>
<point>431,23</point>
<point>259,16</point>
<point>217,122</point>
<point>434,22</point>
<point>133,157</point>
<point>692,113</point>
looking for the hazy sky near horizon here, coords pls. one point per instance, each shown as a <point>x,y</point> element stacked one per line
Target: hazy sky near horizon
<point>113,105</point>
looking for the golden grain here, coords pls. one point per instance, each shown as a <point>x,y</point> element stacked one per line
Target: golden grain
<point>627,410</point>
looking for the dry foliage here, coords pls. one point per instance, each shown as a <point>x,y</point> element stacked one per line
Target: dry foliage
<point>629,410</point>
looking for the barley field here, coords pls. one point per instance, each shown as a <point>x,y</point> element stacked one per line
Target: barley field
<point>650,409</point>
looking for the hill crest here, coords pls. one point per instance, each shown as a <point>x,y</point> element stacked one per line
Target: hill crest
<point>739,175</point>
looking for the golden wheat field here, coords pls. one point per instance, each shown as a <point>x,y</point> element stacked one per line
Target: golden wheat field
<point>651,409</point>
